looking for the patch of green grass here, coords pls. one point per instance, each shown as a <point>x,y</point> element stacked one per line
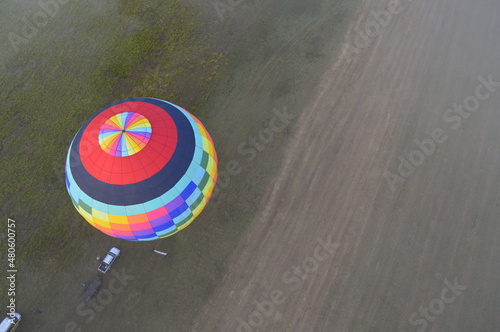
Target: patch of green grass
<point>163,58</point>
<point>147,48</point>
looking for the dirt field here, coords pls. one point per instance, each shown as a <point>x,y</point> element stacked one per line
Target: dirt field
<point>422,257</point>
<point>321,222</point>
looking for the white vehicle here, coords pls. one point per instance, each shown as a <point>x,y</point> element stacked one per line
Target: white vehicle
<point>108,260</point>
<point>10,324</point>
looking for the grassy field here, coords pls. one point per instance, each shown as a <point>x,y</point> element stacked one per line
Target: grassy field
<point>88,55</point>
<point>62,75</point>
<point>94,53</point>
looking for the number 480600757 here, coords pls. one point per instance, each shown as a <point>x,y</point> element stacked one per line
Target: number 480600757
<point>11,242</point>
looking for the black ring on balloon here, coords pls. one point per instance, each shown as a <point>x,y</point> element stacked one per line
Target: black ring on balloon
<point>145,190</point>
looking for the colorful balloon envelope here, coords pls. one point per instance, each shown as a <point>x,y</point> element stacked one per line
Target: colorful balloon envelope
<point>141,169</point>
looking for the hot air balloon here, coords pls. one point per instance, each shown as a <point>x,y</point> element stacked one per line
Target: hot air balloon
<point>141,169</point>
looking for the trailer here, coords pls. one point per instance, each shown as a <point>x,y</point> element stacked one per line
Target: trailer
<point>92,288</point>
